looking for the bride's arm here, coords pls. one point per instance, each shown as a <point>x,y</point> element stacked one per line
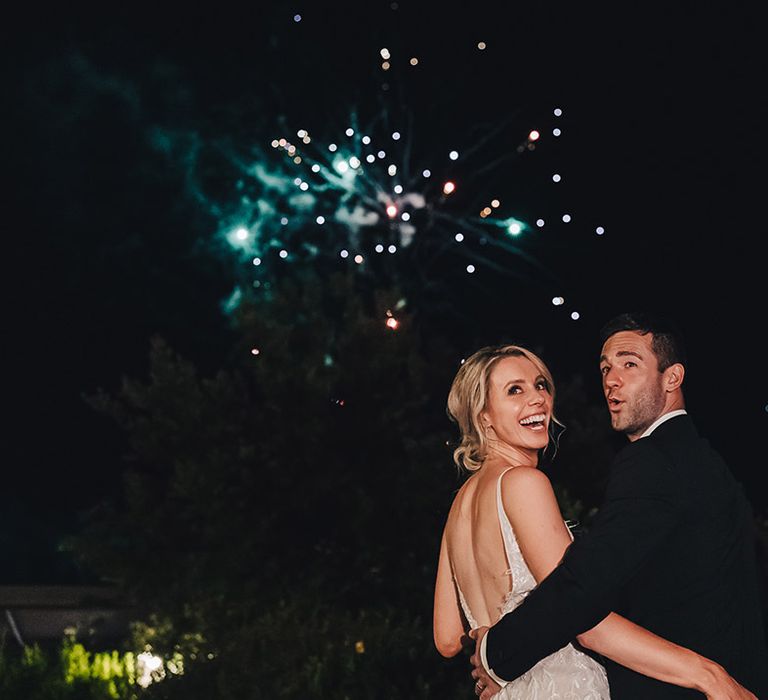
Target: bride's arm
<point>447,625</point>
<point>532,508</point>
<point>635,647</point>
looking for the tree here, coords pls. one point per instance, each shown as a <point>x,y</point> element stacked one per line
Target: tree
<point>302,489</point>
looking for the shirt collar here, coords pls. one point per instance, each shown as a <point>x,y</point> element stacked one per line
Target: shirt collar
<point>663,419</point>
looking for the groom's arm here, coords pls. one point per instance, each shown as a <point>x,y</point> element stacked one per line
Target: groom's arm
<point>642,506</point>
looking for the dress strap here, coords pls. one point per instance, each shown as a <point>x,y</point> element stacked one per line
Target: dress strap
<point>510,542</point>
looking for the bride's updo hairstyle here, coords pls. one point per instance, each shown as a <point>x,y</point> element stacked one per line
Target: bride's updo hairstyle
<point>468,397</point>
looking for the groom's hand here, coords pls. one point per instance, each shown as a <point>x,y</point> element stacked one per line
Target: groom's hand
<point>485,686</point>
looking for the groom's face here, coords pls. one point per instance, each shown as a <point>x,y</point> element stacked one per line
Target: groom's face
<point>632,383</point>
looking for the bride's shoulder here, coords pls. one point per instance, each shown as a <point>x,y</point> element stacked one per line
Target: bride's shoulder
<point>523,473</point>
<point>524,482</point>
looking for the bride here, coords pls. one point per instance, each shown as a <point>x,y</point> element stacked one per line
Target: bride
<point>504,534</point>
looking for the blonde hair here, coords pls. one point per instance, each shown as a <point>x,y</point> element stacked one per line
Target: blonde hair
<point>469,395</point>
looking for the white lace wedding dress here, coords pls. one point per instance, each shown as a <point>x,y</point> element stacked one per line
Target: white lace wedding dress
<point>568,674</point>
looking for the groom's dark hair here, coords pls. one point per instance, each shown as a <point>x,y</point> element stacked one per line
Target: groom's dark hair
<point>667,341</point>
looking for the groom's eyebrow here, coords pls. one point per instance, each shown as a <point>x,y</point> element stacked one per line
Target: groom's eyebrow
<point>624,353</point>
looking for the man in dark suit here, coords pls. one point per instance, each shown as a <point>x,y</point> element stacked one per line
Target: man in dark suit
<point>671,548</point>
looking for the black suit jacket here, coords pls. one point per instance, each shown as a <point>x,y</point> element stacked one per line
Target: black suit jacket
<point>671,549</point>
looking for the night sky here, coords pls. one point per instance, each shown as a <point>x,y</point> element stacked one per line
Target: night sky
<point>662,145</point>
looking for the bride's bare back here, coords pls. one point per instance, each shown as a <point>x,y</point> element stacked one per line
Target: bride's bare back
<point>476,547</point>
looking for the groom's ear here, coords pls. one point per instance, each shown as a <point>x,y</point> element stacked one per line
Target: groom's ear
<point>673,377</point>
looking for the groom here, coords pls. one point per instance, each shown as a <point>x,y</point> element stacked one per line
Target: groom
<point>671,548</point>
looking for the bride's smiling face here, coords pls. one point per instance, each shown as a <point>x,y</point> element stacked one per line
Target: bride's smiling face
<point>519,405</point>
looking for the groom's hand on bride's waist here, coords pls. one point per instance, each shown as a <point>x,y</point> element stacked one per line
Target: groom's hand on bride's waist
<point>485,686</point>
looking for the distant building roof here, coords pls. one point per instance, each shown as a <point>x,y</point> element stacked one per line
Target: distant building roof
<point>34,614</point>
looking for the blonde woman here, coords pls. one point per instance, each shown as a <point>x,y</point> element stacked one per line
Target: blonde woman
<point>504,534</point>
